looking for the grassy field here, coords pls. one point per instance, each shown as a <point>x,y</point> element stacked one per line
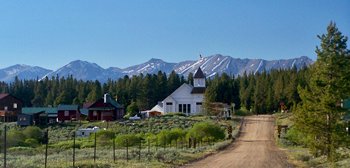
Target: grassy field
<point>300,156</point>
<point>60,151</point>
<point>169,157</point>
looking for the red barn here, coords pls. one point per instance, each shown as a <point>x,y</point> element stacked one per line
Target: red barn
<point>106,109</point>
<point>68,112</point>
<point>10,107</point>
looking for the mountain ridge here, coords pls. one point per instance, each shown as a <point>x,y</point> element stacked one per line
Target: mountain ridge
<point>211,65</point>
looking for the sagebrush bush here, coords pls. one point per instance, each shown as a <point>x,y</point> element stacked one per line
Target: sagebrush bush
<point>104,137</point>
<point>123,140</point>
<point>33,132</point>
<point>166,156</point>
<point>31,142</point>
<point>15,138</point>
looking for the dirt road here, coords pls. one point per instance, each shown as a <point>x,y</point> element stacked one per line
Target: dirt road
<point>255,148</point>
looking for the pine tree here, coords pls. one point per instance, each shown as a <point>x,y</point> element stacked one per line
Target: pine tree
<point>39,92</point>
<point>320,114</point>
<point>190,78</point>
<point>173,82</point>
<point>95,93</point>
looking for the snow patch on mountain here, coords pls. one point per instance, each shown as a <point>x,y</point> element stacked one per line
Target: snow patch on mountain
<point>22,71</point>
<point>211,65</point>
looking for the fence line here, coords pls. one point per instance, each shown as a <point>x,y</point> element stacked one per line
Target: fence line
<point>142,148</point>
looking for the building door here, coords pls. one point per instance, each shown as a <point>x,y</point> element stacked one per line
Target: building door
<point>198,107</point>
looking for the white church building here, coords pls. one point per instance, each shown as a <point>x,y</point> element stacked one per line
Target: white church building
<point>186,99</point>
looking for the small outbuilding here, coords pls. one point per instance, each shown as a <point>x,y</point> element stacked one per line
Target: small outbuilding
<point>85,132</point>
<point>37,116</point>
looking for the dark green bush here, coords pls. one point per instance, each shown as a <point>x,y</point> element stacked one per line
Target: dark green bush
<point>295,137</point>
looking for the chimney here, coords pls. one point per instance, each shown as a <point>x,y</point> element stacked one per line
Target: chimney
<point>105,97</point>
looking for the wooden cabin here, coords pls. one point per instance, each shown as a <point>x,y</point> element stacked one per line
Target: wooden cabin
<point>106,109</point>
<point>10,107</point>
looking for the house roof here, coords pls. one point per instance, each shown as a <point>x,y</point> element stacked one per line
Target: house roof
<point>67,107</point>
<point>3,95</point>
<point>198,90</point>
<point>33,110</point>
<point>112,101</point>
<point>84,111</point>
<point>190,87</point>
<point>199,73</point>
<point>157,108</point>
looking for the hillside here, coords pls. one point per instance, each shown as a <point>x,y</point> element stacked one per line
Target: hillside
<point>211,65</point>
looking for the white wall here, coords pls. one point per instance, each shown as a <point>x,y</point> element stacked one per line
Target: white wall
<point>183,96</point>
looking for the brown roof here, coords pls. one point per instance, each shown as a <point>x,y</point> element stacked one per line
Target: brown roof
<point>3,95</point>
<point>198,90</point>
<point>199,73</point>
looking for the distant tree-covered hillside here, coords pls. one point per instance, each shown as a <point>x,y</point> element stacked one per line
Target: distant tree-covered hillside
<point>260,92</point>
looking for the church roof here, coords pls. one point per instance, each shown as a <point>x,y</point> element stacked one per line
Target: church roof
<point>198,90</point>
<point>199,73</point>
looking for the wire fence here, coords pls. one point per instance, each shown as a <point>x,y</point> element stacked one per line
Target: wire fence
<point>94,150</point>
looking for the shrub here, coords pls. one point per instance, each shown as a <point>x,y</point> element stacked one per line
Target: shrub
<point>132,140</point>
<point>167,156</point>
<point>33,132</point>
<point>176,134</point>
<point>163,136</point>
<point>63,145</point>
<point>206,131</point>
<point>30,142</point>
<point>15,138</point>
<point>296,137</point>
<point>175,114</point>
<point>104,137</point>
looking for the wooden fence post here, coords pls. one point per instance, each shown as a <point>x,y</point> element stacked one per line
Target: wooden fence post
<point>5,145</point>
<point>127,150</point>
<point>46,136</point>
<point>149,146</point>
<point>73,149</point>
<point>95,150</point>
<point>114,150</point>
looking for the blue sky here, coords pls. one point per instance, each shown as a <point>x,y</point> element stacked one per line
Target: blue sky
<point>122,33</point>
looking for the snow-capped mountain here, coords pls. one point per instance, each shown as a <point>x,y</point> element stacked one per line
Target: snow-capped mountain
<point>22,72</point>
<point>152,66</point>
<point>218,64</point>
<point>83,70</point>
<point>211,65</point>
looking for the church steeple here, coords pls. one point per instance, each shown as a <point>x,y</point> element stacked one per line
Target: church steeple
<point>199,78</point>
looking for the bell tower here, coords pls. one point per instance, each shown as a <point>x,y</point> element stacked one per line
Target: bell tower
<point>199,78</point>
